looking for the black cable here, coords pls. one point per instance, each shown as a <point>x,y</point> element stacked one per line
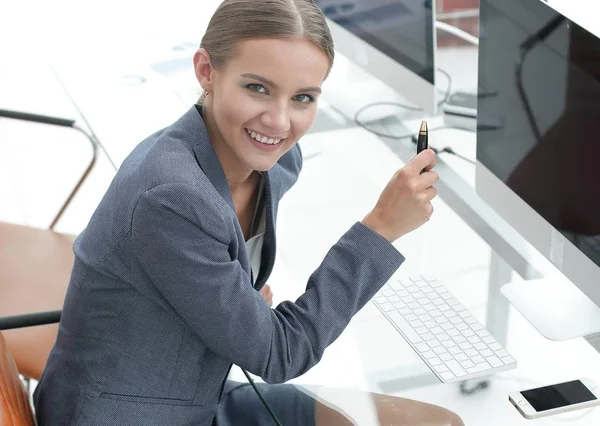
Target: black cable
<point>448,89</point>
<point>273,416</point>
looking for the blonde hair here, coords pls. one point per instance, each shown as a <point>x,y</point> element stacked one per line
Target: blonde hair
<point>239,20</point>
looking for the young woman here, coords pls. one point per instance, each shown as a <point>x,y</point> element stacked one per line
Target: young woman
<point>165,290</point>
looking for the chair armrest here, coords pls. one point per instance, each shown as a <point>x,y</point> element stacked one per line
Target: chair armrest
<point>63,122</point>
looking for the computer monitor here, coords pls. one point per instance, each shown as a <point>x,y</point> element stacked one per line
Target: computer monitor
<point>540,169</point>
<point>392,40</point>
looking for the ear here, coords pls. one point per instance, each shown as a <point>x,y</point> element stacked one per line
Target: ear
<point>203,69</point>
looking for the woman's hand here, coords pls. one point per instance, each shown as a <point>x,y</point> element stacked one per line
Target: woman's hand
<point>267,294</point>
<point>404,204</point>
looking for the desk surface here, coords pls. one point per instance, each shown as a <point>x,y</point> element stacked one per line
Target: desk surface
<point>370,355</point>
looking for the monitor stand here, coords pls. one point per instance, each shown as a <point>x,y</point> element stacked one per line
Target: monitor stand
<point>555,307</point>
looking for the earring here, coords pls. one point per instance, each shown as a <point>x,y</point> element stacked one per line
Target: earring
<point>206,93</point>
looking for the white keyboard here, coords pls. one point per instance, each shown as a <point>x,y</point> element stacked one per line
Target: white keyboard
<point>453,344</point>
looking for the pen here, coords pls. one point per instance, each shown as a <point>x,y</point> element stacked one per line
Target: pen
<point>423,139</point>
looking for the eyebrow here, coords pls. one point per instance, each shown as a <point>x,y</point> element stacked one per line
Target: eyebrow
<point>270,83</point>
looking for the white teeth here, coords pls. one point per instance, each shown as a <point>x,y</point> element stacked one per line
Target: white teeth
<point>263,139</point>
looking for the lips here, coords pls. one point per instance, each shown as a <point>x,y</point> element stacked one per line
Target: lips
<point>267,140</point>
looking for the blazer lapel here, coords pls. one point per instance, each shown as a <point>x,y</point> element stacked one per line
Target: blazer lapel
<point>194,129</point>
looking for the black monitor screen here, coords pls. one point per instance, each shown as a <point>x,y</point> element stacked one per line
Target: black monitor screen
<point>539,114</point>
<point>402,29</point>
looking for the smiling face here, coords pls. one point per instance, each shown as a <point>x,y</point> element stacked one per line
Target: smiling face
<point>263,101</point>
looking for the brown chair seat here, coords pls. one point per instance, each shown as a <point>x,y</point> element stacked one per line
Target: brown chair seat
<point>35,267</point>
<point>15,409</point>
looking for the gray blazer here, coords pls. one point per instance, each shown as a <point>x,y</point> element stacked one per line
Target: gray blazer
<point>160,301</point>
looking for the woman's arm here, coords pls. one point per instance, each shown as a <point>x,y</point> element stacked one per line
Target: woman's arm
<point>192,269</point>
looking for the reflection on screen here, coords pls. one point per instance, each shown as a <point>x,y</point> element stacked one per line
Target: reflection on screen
<point>402,29</point>
<point>546,70</point>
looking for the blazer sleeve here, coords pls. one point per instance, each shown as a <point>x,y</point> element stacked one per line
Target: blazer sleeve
<point>190,265</point>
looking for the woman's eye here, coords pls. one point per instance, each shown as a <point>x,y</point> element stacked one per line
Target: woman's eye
<point>257,88</point>
<point>305,99</point>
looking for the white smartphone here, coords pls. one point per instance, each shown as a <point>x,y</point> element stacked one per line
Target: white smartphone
<point>556,399</point>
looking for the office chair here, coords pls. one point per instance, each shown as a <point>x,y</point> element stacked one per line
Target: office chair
<point>15,409</point>
<point>35,267</point>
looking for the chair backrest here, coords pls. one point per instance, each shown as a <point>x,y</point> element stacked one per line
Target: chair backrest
<point>15,409</point>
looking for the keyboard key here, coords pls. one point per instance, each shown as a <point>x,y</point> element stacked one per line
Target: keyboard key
<point>494,361</point>
<point>422,330</point>
<point>459,339</point>
<point>395,285</point>
<point>471,352</point>
<point>456,369</point>
<point>419,295</point>
<point>443,337</point>
<point>401,323</point>
<point>455,350</point>
<point>434,361</point>
<point>447,375</point>
<point>495,346</point>
<point>468,333</point>
<point>501,353</point>
<point>480,346</point>
<point>445,357</point>
<point>489,339</point>
<point>436,330</point>
<point>486,353</point>
<point>442,350</point>
<point>474,339</point>
<point>379,299</point>
<point>408,299</point>
<point>434,344</point>
<point>441,368</point>
<point>428,336</point>
<point>449,343</point>
<point>461,357</point>
<point>478,368</point>
<point>393,298</point>
<point>445,308</point>
<point>387,307</point>
<point>508,360</point>
<point>467,363</point>
<point>388,292</point>
<point>477,359</point>
<point>415,323</point>
<point>453,332</point>
<point>421,347</point>
<point>404,311</point>
<point>428,354</point>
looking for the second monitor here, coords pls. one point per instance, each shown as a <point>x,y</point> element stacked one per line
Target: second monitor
<point>393,41</point>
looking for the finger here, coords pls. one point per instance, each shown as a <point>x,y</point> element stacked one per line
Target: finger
<point>430,193</point>
<point>426,159</point>
<point>427,179</point>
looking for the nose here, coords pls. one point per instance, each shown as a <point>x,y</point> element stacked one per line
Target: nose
<point>276,117</point>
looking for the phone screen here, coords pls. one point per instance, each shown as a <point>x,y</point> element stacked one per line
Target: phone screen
<point>560,395</point>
